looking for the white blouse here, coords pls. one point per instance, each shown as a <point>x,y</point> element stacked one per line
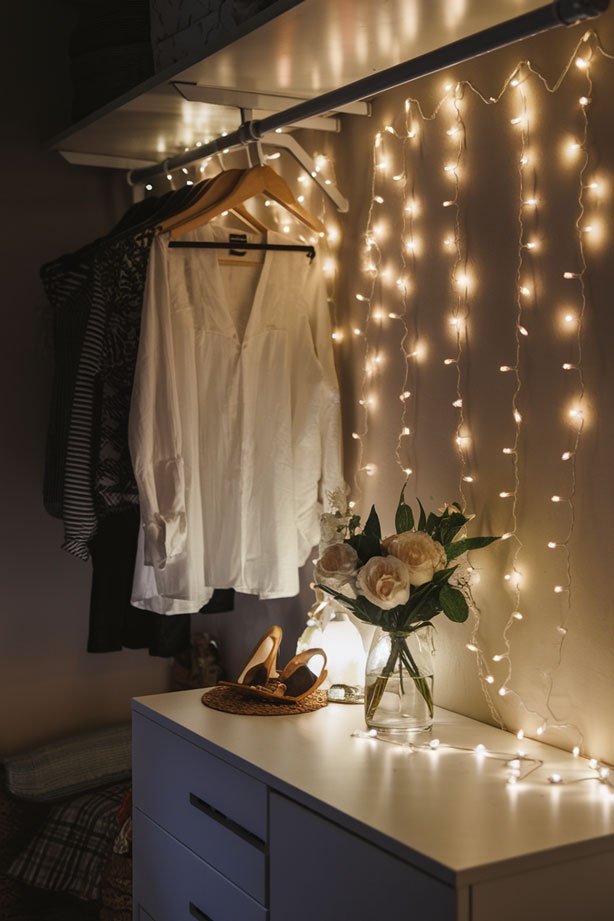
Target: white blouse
<point>235,428</point>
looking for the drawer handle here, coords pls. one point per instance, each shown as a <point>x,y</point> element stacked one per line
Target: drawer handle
<point>197,913</point>
<point>223,820</point>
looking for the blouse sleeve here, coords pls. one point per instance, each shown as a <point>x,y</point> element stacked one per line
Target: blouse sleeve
<point>154,428</point>
<point>330,410</point>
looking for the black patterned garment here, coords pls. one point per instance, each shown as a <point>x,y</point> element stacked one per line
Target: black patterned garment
<point>98,478</point>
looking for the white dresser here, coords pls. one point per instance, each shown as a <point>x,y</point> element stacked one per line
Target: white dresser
<point>289,818</point>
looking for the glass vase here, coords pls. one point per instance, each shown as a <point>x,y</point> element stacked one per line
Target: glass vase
<point>399,681</point>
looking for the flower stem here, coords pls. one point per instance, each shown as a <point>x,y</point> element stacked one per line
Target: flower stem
<point>399,650</point>
<point>374,692</point>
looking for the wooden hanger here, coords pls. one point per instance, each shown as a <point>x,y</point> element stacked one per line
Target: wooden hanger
<point>220,185</point>
<point>260,180</point>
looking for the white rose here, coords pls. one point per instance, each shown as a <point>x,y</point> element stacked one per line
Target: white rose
<point>337,565</point>
<point>422,555</point>
<point>384,581</point>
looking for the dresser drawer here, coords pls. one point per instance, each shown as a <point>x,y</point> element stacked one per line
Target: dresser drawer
<point>219,812</point>
<point>173,884</point>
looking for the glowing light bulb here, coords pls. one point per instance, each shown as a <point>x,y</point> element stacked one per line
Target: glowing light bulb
<point>558,589</point>
<point>512,780</point>
<point>149,187</point>
<point>184,170</point>
<point>507,451</point>
<point>378,315</point>
<point>593,763</point>
<point>517,417</point>
<point>532,244</point>
<point>407,471</point>
<point>555,779</point>
<point>604,772</point>
<point>448,203</point>
<point>471,647</point>
<point>448,241</point>
<point>518,120</point>
<point>555,498</point>
<point>573,146</point>
<point>588,229</point>
<point>575,751</point>
<point>497,658</point>
<point>405,430</point>
<point>514,82</point>
<point>434,743</point>
<point>457,403</point>
<point>449,361</point>
<point>520,734</point>
<point>489,679</point>
<point>581,63</point>
<point>169,176</point>
<point>378,199</point>
<point>523,330</point>
<point>531,202</point>
<point>357,331</point>
<point>405,395</point>
<point>565,455</point>
<point>506,495</point>
<point>355,436</point>
<point>507,535</point>
<point>337,335</point>
<point>370,469</point>
<point>576,413</point>
<point>480,749</point>
<point>569,275</point>
<point>584,101</point>
<point>524,160</point>
<point>562,630</point>
<point>450,168</point>
<point>524,290</point>
<point>517,615</point>
<point>552,545</point>
<point>540,730</point>
<point>389,129</point>
<point>361,297</point>
<point>395,316</point>
<point>502,691</point>
<point>593,185</point>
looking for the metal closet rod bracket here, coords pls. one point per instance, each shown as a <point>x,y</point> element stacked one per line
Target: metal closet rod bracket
<point>555,14</point>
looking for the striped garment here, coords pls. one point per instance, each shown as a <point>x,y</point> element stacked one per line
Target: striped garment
<point>68,286</point>
<point>98,476</point>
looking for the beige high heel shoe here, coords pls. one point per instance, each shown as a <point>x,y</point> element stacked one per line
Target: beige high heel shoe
<point>296,681</point>
<point>262,664</point>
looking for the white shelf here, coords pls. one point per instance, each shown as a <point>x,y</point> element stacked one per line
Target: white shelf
<point>308,48</point>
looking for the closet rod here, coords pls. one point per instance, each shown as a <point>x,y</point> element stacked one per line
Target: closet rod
<point>558,13</point>
<point>239,246</point>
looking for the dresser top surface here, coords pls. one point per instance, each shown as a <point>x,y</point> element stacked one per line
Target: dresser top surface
<point>451,809</point>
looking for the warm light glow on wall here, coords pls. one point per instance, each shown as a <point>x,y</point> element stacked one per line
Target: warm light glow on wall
<point>392,253</point>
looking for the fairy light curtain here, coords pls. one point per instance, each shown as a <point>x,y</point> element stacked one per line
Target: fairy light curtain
<point>470,318</point>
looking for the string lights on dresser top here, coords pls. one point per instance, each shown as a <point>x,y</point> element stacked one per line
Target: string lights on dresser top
<point>379,302</point>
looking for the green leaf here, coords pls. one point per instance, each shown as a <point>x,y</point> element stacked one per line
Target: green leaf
<point>404,518</point>
<point>468,543</point>
<point>451,525</point>
<point>432,525</point>
<point>422,520</point>
<point>366,546</point>
<point>453,604</point>
<point>372,525</point>
<point>443,575</point>
<point>353,524</point>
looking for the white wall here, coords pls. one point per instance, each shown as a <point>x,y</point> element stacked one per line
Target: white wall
<point>583,683</point>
